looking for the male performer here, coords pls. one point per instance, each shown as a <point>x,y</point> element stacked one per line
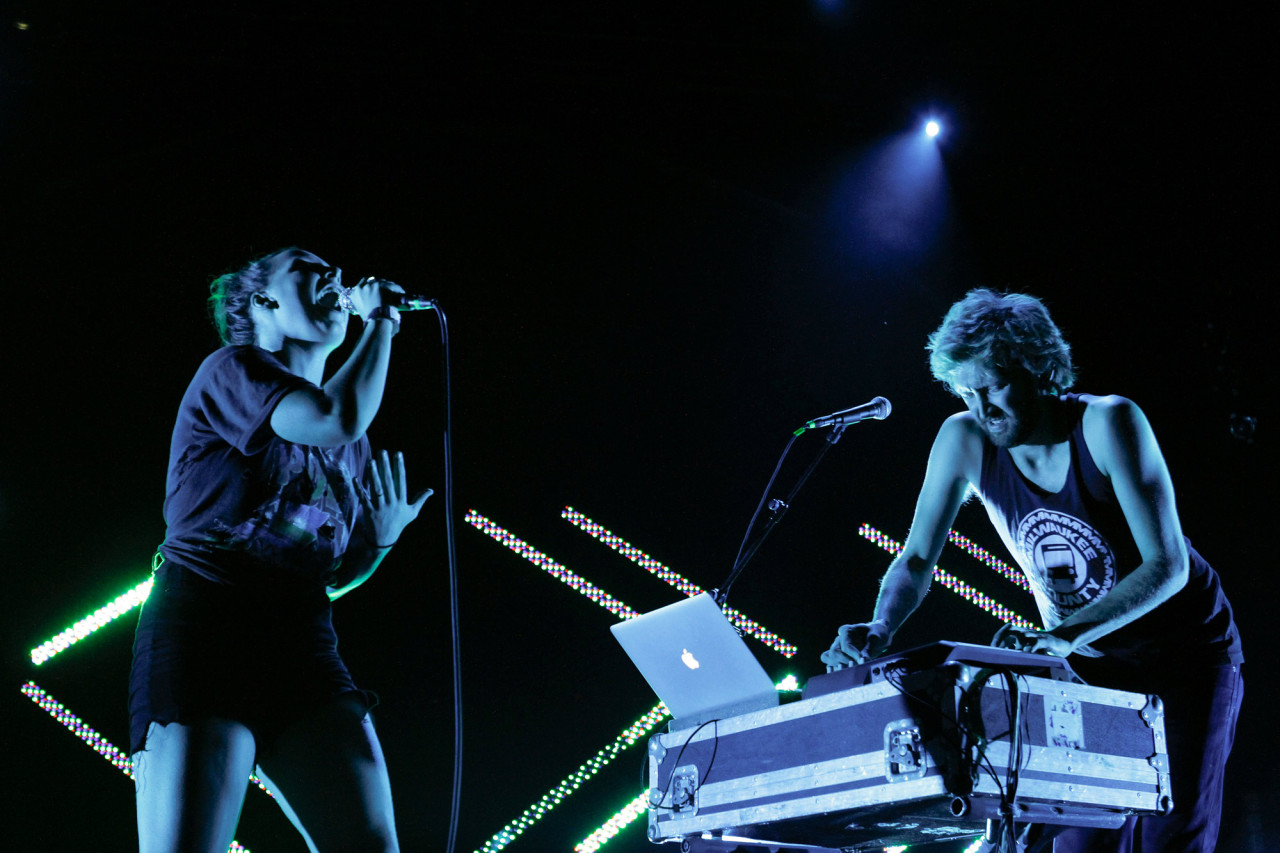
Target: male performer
<point>1078,490</point>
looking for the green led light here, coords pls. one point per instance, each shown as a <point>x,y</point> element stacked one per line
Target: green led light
<point>570,783</point>
<point>625,816</point>
<point>789,684</point>
<point>86,626</point>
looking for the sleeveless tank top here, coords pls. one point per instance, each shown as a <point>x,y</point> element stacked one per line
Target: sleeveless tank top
<point>1074,545</point>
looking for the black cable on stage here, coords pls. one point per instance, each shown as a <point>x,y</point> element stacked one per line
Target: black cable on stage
<point>715,748</point>
<point>456,798</point>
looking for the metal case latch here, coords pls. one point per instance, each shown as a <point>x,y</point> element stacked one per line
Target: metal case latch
<point>904,755</point>
<point>684,790</point>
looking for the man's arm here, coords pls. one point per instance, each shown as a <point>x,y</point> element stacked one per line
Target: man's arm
<point>954,462</point>
<point>1124,448</point>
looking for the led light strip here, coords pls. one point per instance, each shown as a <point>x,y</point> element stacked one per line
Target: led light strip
<point>629,551</point>
<point>100,745</point>
<point>550,566</point>
<point>86,626</point>
<point>614,825</point>
<point>79,728</point>
<point>992,561</point>
<point>674,578</point>
<point>638,806</point>
<point>573,781</point>
<point>950,581</point>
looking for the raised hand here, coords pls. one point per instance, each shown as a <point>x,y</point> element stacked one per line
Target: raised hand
<point>385,498</point>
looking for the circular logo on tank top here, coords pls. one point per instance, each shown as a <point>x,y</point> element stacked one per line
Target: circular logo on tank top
<point>1074,565</point>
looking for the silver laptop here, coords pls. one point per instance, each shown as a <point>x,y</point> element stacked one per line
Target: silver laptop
<point>696,662</point>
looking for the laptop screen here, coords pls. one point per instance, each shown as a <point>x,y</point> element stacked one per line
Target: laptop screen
<point>696,662</point>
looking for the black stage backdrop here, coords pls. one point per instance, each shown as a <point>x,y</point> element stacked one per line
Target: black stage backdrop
<point>664,235</point>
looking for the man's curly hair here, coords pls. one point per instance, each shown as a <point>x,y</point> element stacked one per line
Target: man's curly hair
<point>1009,331</point>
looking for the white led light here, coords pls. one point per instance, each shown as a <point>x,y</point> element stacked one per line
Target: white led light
<point>1008,572</point>
<point>950,581</point>
<point>675,579</point>
<point>550,566</point>
<point>100,745</point>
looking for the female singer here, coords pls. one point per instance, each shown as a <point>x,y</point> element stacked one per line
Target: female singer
<point>268,519</point>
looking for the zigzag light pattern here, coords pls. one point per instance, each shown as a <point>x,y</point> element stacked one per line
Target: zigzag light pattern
<point>550,566</point>
<point>950,581</point>
<point>86,626</point>
<point>575,780</point>
<point>674,578</point>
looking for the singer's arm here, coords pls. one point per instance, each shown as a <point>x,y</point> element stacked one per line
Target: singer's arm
<point>341,410</point>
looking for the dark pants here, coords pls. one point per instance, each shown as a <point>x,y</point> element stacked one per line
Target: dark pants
<point>1201,705</point>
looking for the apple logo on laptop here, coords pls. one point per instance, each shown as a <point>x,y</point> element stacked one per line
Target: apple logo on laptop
<point>689,660</point>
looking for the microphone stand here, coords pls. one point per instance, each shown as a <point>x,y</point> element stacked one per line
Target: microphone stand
<point>777,509</point>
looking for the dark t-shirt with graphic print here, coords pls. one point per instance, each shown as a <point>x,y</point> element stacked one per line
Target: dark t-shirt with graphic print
<point>244,507</point>
<point>1075,545</point>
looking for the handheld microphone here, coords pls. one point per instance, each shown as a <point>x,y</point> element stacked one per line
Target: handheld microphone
<point>407,301</point>
<point>879,409</point>
<point>341,297</point>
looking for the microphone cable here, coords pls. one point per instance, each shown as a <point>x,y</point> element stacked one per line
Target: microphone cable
<point>451,546</point>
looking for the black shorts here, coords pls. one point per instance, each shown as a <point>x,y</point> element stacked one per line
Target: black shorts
<point>204,649</point>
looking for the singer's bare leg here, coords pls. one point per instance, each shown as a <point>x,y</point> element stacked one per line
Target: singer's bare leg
<point>190,783</point>
<point>329,776</point>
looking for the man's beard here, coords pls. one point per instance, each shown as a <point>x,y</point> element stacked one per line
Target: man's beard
<point>1008,429</point>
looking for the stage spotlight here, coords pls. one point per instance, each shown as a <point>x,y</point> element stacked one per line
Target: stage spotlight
<point>932,129</point>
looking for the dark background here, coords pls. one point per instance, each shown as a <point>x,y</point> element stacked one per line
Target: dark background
<point>664,235</point>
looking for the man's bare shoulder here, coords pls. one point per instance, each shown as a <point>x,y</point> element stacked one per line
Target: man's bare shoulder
<point>1107,412</point>
<point>959,445</point>
<point>1104,402</point>
<point>962,427</point>
<point>1112,425</point>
